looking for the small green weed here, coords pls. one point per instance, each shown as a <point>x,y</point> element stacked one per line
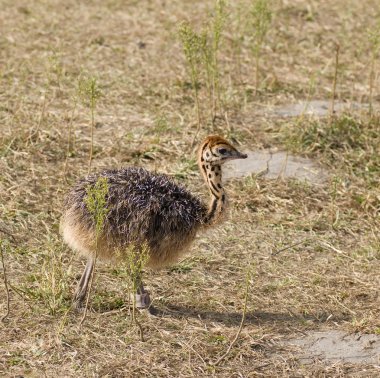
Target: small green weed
<point>89,93</point>
<point>161,124</point>
<point>258,24</point>
<point>50,284</point>
<point>96,202</point>
<point>201,52</point>
<point>192,47</point>
<point>374,42</point>
<point>133,260</point>
<point>211,42</point>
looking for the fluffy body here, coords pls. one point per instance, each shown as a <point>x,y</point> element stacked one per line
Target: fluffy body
<point>145,209</point>
<point>142,207</point>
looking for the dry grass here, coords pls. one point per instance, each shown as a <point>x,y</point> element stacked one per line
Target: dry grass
<point>145,116</point>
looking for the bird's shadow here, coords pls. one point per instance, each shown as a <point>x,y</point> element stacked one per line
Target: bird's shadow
<point>231,319</point>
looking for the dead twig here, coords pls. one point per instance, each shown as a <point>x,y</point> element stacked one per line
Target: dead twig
<point>275,253</point>
<point>141,330</point>
<point>22,294</point>
<point>230,128</point>
<point>195,352</point>
<point>2,248</point>
<point>8,234</point>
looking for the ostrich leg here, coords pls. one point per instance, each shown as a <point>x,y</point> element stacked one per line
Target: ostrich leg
<point>141,295</point>
<point>81,290</point>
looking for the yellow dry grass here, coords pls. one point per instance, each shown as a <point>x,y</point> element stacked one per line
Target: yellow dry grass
<point>145,116</point>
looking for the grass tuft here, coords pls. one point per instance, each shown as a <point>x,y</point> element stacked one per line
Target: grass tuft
<point>350,142</point>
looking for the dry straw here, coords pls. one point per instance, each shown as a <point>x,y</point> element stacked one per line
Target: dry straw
<point>4,247</point>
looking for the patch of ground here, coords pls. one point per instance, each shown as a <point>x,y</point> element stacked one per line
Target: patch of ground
<point>278,164</point>
<point>338,346</point>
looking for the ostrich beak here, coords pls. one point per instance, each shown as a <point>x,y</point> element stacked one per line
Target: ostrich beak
<point>239,155</point>
<point>234,155</point>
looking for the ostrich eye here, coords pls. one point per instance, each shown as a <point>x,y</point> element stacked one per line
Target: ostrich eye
<point>222,151</point>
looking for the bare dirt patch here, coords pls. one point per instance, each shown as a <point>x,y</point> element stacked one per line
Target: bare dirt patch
<point>338,346</point>
<point>277,164</point>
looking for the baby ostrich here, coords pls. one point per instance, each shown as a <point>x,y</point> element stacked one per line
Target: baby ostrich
<point>145,208</point>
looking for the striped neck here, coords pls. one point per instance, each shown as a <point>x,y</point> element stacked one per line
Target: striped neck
<point>212,153</point>
<point>213,177</point>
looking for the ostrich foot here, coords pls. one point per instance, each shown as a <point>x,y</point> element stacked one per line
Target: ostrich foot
<point>142,300</point>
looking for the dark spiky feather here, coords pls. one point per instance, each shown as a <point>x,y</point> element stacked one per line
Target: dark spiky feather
<point>142,206</point>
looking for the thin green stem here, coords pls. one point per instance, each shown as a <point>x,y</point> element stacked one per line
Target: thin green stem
<point>92,135</point>
<point>334,83</point>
